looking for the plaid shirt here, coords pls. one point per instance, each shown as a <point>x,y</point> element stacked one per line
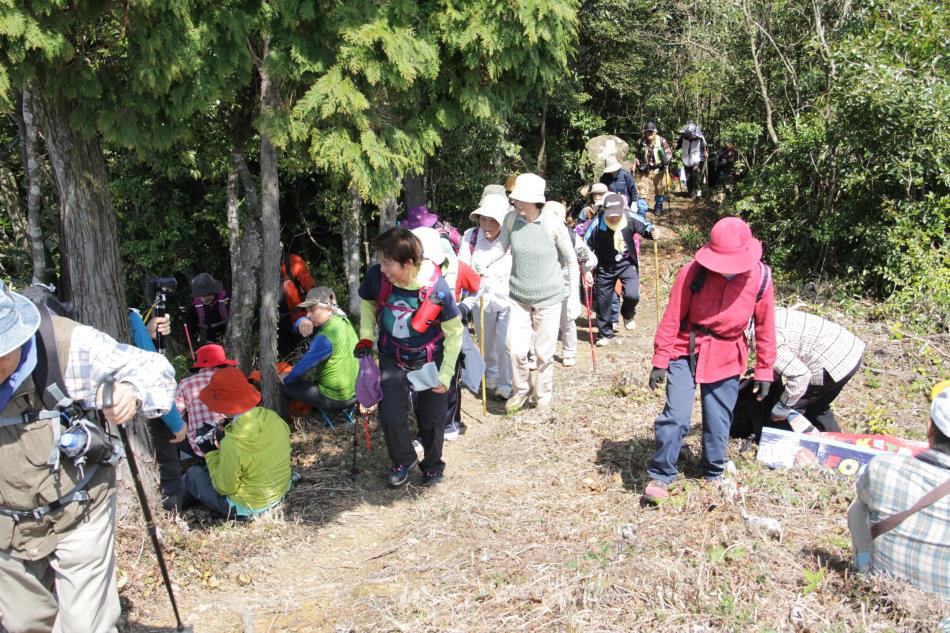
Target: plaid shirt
<point>917,550</point>
<point>195,412</point>
<point>807,347</point>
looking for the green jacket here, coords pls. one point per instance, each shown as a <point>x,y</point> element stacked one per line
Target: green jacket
<point>252,465</point>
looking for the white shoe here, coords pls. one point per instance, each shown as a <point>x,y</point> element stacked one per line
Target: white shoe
<point>514,403</point>
<point>602,342</point>
<point>630,324</point>
<point>542,406</point>
<point>569,362</point>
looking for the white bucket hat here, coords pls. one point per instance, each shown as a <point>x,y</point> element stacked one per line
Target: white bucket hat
<point>494,206</point>
<point>19,320</point>
<point>431,244</point>
<point>558,209</point>
<point>528,188</point>
<point>612,165</point>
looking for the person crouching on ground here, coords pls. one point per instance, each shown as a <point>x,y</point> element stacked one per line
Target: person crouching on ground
<point>900,520</point>
<point>325,377</point>
<point>201,420</point>
<point>249,473</point>
<point>393,292</point>
<point>701,340</point>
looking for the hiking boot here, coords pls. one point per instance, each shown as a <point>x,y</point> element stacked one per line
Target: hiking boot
<point>602,342</point>
<point>432,478</point>
<point>515,403</point>
<point>569,362</point>
<point>452,432</point>
<point>398,474</point>
<point>543,406</point>
<point>630,323</point>
<point>656,492</point>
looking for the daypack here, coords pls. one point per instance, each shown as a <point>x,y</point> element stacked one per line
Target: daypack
<point>200,309</point>
<point>44,297</point>
<point>450,233</point>
<point>382,301</point>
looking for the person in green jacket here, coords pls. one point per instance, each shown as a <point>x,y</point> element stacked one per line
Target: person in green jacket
<point>325,377</point>
<point>249,472</point>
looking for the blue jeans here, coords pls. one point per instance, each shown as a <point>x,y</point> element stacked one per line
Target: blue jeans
<point>198,487</point>
<point>672,425</point>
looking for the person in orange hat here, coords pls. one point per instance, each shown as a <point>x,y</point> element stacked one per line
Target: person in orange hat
<point>701,341</point>
<point>199,420</point>
<point>249,472</point>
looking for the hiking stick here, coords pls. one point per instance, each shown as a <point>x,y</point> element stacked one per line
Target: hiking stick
<point>188,338</point>
<point>656,276</point>
<point>107,388</point>
<point>590,328</point>
<point>356,441</point>
<point>481,345</point>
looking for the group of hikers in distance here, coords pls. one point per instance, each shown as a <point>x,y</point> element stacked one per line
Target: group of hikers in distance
<point>520,274</point>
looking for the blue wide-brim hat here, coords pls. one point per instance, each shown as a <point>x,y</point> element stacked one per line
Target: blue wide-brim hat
<point>19,320</point>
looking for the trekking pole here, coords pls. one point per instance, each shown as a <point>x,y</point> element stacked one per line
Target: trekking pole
<point>656,276</point>
<point>356,439</point>
<point>590,328</point>
<point>481,345</point>
<point>107,392</point>
<point>188,338</point>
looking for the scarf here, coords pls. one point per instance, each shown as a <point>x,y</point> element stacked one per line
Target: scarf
<point>617,226</point>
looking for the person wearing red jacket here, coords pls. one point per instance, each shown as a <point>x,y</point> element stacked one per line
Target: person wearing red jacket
<point>701,340</point>
<point>295,283</point>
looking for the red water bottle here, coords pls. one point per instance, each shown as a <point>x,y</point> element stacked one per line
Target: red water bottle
<point>427,312</point>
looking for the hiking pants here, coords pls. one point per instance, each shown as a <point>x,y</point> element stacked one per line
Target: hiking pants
<point>672,425</point>
<point>694,178</point>
<point>306,391</point>
<point>453,399</point>
<point>198,487</point>
<point>497,366</point>
<point>568,334</point>
<point>605,277</point>
<point>533,329</point>
<point>430,409</point>
<point>815,403</point>
<point>82,571</point>
<point>653,183</point>
<point>169,463</point>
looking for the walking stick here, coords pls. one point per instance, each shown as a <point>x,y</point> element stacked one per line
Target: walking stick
<point>481,345</point>
<point>656,276</point>
<point>107,389</point>
<point>188,338</point>
<point>590,328</point>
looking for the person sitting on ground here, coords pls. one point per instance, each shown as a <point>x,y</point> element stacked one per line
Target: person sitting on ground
<point>295,282</point>
<point>249,473</point>
<point>200,419</point>
<point>653,160</point>
<point>693,145</point>
<point>619,179</point>
<point>208,318</point>
<point>900,519</point>
<point>479,244</point>
<point>610,235</point>
<point>391,295</point>
<point>701,341</point>
<point>325,377</point>
<point>586,261</point>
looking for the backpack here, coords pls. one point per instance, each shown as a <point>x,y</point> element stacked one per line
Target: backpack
<point>382,298</point>
<point>450,233</point>
<point>43,296</point>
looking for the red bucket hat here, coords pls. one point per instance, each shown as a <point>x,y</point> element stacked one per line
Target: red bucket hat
<point>212,355</point>
<point>731,249</point>
<point>229,392</point>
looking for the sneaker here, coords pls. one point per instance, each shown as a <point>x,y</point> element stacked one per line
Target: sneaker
<point>542,406</point>
<point>398,474</point>
<point>630,324</point>
<point>515,403</point>
<point>602,342</point>
<point>452,432</point>
<point>501,395</point>
<point>656,492</point>
<point>432,478</point>
<point>417,446</point>
<point>569,362</point>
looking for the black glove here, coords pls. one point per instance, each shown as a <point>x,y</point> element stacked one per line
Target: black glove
<point>464,311</point>
<point>644,169</point>
<point>762,389</point>
<point>657,376</point>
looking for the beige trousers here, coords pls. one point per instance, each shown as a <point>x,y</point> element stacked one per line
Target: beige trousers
<point>82,569</point>
<point>529,326</point>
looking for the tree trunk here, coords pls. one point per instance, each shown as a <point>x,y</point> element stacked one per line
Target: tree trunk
<point>270,259</point>
<point>10,202</point>
<point>351,249</point>
<point>415,190</point>
<point>541,164</point>
<point>763,88</point>
<point>31,163</point>
<point>388,211</point>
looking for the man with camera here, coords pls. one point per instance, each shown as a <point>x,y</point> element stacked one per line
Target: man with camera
<point>57,498</point>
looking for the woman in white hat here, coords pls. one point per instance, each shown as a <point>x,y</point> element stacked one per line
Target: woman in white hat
<point>619,180</point>
<point>480,244</point>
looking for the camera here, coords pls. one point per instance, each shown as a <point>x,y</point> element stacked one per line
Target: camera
<point>208,437</point>
<point>155,285</point>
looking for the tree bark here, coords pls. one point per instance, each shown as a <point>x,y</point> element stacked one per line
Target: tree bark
<point>541,164</point>
<point>270,259</point>
<point>31,164</point>
<point>351,249</point>
<point>415,190</point>
<point>388,211</point>
<point>763,88</point>
<point>10,201</point>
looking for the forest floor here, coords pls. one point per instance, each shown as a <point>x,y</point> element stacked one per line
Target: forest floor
<point>538,524</point>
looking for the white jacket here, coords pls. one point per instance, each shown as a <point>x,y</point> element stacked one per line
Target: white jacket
<point>494,286</point>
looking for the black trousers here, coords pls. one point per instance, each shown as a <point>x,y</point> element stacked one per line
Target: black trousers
<point>605,277</point>
<point>430,408</point>
<point>169,466</point>
<point>694,178</point>
<point>303,390</point>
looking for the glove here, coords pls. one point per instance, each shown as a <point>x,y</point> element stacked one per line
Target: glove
<point>644,169</point>
<point>363,348</point>
<point>780,412</point>
<point>761,389</point>
<point>657,376</point>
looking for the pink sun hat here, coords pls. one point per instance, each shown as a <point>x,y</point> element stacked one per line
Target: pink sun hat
<point>731,249</point>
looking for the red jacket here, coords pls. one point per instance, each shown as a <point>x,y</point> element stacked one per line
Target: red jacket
<point>291,294</point>
<point>724,307</point>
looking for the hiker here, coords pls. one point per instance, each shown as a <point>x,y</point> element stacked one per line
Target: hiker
<point>465,282</point>
<point>325,377</point>
<point>619,179</point>
<point>249,472</point>
<point>201,421</point>
<point>701,340</point>
<point>420,336</point>
<point>692,143</point>
<point>586,261</point>
<point>420,217</point>
<point>725,163</point>
<point>653,160</point>
<point>57,520</point>
<point>479,244</point>
<point>295,283</point>
<point>168,431</point>
<point>208,318</point>
<point>610,235</point>
<point>595,197</point>
<point>900,519</point>
<point>539,245</point>
<point>815,360</point>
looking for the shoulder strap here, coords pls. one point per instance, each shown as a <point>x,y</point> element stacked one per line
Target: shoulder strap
<point>199,307</point>
<point>699,279</point>
<point>385,289</point>
<point>891,522</point>
<point>48,374</point>
<point>472,240</point>
<point>510,220</point>
<point>766,277</point>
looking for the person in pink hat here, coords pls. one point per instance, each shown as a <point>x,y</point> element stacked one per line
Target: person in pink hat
<point>701,341</point>
<point>198,418</point>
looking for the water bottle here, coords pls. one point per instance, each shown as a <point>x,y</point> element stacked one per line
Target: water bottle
<point>799,423</point>
<point>73,442</point>
<point>427,312</point>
